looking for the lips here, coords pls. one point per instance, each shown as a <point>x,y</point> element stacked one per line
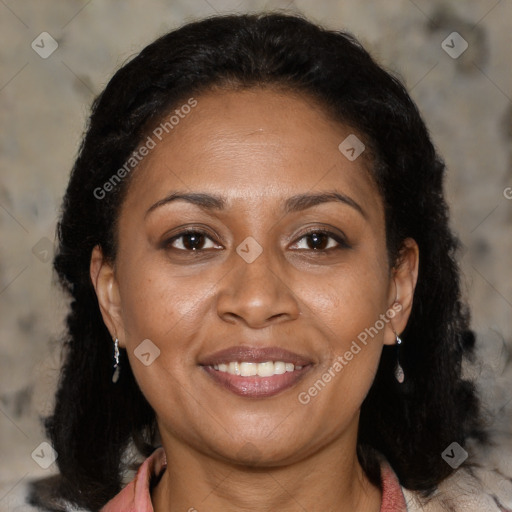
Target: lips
<point>256,372</point>
<point>254,355</point>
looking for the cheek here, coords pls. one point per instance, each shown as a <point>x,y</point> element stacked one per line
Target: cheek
<point>157,300</point>
<point>162,312</point>
<point>347,309</point>
<point>344,317</point>
<point>347,300</point>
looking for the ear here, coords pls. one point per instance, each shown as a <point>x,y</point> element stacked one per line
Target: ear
<point>401,292</point>
<point>107,290</point>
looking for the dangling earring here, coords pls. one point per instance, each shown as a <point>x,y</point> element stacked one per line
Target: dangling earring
<point>399,371</point>
<point>117,368</point>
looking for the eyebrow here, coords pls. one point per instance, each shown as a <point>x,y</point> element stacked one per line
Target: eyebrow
<point>295,203</point>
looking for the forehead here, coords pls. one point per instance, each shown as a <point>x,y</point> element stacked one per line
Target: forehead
<point>251,145</point>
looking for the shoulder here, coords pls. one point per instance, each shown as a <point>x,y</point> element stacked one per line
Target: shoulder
<point>479,488</point>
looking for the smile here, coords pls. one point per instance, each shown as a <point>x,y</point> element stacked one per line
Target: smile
<point>256,372</point>
<point>249,369</point>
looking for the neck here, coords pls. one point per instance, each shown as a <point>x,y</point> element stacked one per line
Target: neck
<point>330,479</point>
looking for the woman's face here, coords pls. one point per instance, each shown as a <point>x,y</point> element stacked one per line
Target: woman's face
<point>285,266</point>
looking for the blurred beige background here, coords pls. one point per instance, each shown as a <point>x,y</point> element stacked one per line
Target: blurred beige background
<point>466,101</point>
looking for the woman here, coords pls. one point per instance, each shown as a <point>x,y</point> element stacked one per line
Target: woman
<point>265,298</point>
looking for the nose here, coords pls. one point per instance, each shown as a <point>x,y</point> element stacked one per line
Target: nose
<point>258,294</point>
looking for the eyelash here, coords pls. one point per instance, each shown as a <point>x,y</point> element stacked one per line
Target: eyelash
<point>342,244</point>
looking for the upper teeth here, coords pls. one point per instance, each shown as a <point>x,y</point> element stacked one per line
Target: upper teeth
<point>266,369</point>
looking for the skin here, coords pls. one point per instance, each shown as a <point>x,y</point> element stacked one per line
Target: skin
<point>225,452</point>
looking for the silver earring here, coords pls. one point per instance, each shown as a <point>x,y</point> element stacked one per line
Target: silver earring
<point>399,371</point>
<point>117,368</point>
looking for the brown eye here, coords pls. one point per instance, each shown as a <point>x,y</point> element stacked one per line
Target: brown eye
<point>319,240</point>
<point>191,241</point>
